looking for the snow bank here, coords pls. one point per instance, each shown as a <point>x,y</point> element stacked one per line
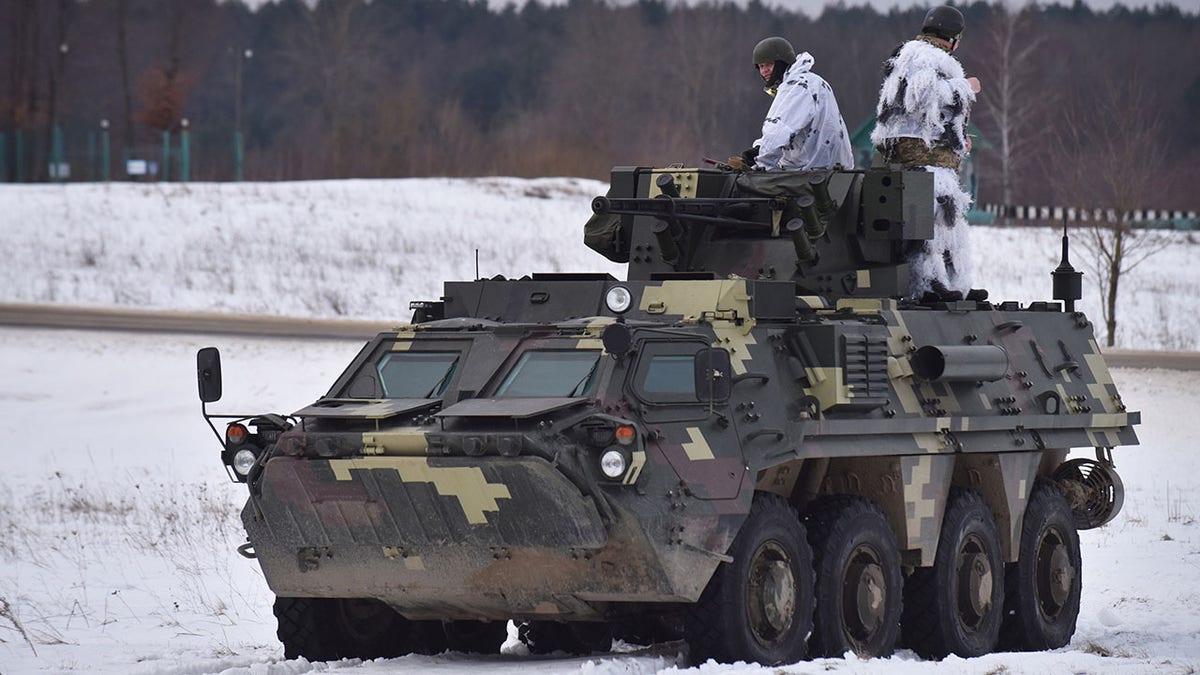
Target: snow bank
<point>362,249</point>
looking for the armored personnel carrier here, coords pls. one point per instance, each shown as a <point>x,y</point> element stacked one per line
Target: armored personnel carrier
<point>755,443</point>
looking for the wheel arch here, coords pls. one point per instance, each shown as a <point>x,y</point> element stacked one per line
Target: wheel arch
<point>913,490</point>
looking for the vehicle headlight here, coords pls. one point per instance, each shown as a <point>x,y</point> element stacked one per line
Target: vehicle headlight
<point>618,299</point>
<point>613,463</point>
<point>243,461</point>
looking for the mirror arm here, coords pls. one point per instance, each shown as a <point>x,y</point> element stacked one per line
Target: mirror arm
<point>208,419</point>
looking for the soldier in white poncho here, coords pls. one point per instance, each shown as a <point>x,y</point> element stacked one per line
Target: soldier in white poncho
<point>922,122</point>
<point>804,128</point>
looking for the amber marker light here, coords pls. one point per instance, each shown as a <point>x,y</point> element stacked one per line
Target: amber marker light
<point>236,434</point>
<point>625,434</point>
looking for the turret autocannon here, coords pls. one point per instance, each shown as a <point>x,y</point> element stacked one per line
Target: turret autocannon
<point>834,233</point>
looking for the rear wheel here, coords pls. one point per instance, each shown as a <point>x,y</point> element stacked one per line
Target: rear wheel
<point>955,606</point>
<point>858,578</point>
<point>758,607</point>
<point>327,629</point>
<point>1044,586</point>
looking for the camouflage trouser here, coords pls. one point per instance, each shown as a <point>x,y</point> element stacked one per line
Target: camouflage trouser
<point>912,153</point>
<point>945,260</point>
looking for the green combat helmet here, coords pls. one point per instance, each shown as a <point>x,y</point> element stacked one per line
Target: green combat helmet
<point>778,51</point>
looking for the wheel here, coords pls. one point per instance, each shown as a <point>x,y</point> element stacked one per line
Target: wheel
<point>1041,602</point>
<point>955,606</point>
<point>759,607</point>
<point>476,637</point>
<point>544,637</point>
<point>858,578</point>
<point>327,629</point>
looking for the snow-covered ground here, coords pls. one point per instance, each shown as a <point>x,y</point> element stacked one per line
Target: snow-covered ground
<point>118,525</point>
<point>363,249</point>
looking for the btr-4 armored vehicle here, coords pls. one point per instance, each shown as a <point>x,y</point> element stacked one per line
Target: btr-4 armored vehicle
<point>757,443</point>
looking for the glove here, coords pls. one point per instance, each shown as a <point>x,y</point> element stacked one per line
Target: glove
<point>738,163</point>
<point>750,155</point>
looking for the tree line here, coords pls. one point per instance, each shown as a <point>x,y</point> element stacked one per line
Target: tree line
<point>1076,104</point>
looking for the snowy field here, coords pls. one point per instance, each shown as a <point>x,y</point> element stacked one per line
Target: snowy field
<point>118,525</point>
<point>363,249</point>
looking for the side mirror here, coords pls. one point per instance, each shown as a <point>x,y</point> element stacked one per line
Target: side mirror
<point>714,374</point>
<point>208,374</point>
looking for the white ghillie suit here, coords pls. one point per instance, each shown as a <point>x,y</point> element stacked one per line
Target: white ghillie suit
<point>804,128</point>
<point>926,96</point>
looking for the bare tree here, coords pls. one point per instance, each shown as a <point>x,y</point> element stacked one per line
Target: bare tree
<point>1011,102</point>
<point>1109,159</point>
<point>333,57</point>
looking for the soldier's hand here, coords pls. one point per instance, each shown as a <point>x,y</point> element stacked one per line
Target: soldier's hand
<point>974,82</point>
<point>738,163</point>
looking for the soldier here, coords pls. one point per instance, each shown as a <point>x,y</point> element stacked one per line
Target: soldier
<point>804,128</point>
<point>922,123</point>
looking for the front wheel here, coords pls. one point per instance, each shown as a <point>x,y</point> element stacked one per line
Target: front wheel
<point>955,606</point>
<point>1044,585</point>
<point>859,582</point>
<point>759,607</point>
<point>328,629</point>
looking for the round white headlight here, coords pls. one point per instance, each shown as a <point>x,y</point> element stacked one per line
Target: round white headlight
<point>612,463</point>
<point>243,460</point>
<point>618,299</point>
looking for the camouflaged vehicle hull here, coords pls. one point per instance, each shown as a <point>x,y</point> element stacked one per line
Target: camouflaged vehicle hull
<point>490,508</point>
<point>574,448</point>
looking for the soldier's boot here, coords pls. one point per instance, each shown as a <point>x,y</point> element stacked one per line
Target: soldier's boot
<point>945,294</point>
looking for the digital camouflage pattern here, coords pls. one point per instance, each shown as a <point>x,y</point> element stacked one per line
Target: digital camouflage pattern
<point>465,502</point>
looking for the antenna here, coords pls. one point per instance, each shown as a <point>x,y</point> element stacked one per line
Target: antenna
<point>1068,283</point>
<point>476,264</point>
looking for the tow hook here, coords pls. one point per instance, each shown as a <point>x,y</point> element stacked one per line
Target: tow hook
<point>246,550</point>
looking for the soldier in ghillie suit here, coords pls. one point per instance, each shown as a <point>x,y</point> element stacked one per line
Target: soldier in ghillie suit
<point>922,122</point>
<point>804,128</point>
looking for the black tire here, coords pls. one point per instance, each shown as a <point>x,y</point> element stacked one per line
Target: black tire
<point>476,637</point>
<point>739,616</point>
<point>1043,588</point>
<point>956,606</point>
<point>328,629</point>
<point>579,638</point>
<point>302,631</point>
<point>859,584</point>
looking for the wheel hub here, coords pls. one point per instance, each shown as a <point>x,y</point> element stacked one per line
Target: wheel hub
<point>1055,574</point>
<point>975,583</point>
<point>772,593</point>
<point>865,594</point>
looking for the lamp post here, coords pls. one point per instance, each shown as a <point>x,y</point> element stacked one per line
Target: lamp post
<point>57,169</point>
<point>242,56</point>
<point>104,149</point>
<point>185,155</point>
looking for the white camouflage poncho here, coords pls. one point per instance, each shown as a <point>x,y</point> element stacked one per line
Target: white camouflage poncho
<point>925,95</point>
<point>804,128</point>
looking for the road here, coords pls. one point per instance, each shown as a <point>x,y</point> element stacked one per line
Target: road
<point>61,316</point>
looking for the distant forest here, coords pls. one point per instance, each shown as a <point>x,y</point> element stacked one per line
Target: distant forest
<point>1073,100</point>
